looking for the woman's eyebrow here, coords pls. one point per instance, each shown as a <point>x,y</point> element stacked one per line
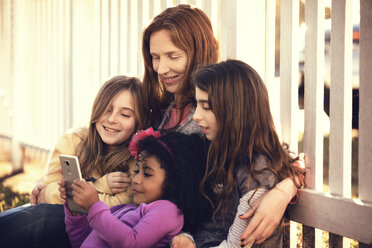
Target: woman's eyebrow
<point>167,53</point>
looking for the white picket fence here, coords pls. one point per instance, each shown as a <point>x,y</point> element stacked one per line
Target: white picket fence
<point>56,54</point>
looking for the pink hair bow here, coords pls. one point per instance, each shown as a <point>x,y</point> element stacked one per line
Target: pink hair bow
<point>140,135</point>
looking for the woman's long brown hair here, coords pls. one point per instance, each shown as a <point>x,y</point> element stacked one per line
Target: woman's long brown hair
<point>92,152</point>
<point>191,31</point>
<point>239,100</point>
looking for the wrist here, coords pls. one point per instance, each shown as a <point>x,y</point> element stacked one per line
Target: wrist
<point>287,187</point>
<point>37,187</point>
<point>285,195</point>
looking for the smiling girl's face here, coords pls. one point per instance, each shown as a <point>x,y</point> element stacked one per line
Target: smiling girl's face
<point>118,122</point>
<point>148,182</point>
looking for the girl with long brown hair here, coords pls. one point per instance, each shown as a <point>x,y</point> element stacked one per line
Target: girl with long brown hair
<point>245,157</point>
<point>102,148</point>
<point>105,161</point>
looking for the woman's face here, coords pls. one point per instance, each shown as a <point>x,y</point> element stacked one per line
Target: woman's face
<point>118,122</point>
<point>204,116</point>
<point>168,61</point>
<point>148,182</point>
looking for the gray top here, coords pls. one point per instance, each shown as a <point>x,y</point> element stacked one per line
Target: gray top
<point>213,233</point>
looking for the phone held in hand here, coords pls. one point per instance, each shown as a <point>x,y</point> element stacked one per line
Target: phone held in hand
<point>71,171</point>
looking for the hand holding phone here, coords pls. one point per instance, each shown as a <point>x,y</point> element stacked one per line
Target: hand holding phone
<point>62,190</point>
<point>71,171</point>
<point>85,194</point>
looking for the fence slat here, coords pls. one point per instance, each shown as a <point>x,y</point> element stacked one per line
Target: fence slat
<point>269,76</point>
<point>114,37</point>
<point>289,18</point>
<point>272,82</point>
<point>314,90</point>
<point>228,28</point>
<point>340,104</point>
<point>341,99</point>
<point>130,26</point>
<point>105,39</point>
<point>6,65</point>
<point>206,5</point>
<point>123,37</point>
<point>138,56</point>
<point>365,109</point>
<point>19,15</point>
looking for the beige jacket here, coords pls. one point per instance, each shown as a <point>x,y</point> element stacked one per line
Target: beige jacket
<point>68,145</point>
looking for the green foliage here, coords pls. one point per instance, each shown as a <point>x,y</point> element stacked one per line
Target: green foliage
<point>11,199</point>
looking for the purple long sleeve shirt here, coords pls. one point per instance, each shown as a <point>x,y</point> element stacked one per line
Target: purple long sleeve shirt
<point>126,225</point>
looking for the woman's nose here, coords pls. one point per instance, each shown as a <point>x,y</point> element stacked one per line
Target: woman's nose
<point>163,67</point>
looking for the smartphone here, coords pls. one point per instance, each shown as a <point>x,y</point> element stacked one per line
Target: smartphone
<point>71,171</point>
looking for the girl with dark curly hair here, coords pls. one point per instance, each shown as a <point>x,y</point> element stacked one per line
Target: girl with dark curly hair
<point>166,196</point>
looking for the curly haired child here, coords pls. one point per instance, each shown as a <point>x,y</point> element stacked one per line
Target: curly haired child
<point>166,196</point>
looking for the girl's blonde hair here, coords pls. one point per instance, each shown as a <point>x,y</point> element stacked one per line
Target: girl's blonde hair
<point>92,152</point>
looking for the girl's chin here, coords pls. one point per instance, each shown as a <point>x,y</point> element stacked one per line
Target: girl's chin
<point>137,201</point>
<point>112,144</point>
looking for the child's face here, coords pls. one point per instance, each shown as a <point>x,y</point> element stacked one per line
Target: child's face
<point>148,182</point>
<point>204,116</point>
<point>168,61</point>
<point>117,123</point>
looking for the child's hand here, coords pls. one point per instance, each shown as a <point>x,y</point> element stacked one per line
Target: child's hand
<point>36,194</point>
<point>41,197</point>
<point>84,194</point>
<point>182,241</point>
<point>118,181</point>
<point>62,190</point>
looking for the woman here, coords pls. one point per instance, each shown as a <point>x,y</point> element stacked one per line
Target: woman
<point>178,41</point>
